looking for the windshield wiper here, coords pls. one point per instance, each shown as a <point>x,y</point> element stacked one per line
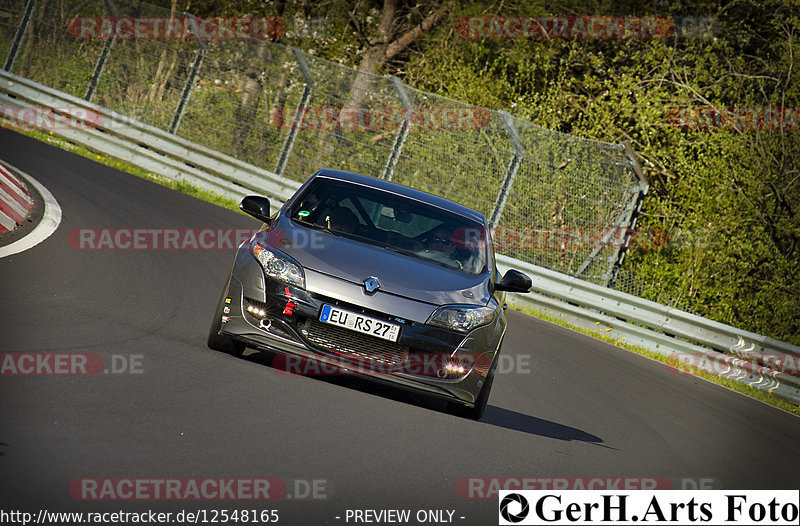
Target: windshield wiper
<point>398,250</point>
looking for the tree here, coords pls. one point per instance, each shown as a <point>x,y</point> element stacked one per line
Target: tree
<point>396,31</point>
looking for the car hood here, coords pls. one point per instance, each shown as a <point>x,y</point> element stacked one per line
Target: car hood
<point>355,261</point>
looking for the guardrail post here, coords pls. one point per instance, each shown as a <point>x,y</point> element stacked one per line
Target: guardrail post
<point>308,88</point>
<point>188,87</point>
<point>511,171</point>
<point>402,133</point>
<point>610,278</point>
<point>22,28</point>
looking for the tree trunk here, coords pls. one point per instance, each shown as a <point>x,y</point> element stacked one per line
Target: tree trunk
<point>248,107</point>
<point>379,52</point>
<point>245,115</point>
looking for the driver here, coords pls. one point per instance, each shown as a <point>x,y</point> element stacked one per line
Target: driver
<point>441,241</point>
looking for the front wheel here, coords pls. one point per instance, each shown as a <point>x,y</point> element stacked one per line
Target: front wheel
<point>475,413</point>
<point>220,342</point>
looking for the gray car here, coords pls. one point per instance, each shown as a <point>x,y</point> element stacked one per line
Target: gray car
<point>355,275</point>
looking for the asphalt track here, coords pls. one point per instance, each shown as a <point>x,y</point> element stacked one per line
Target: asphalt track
<point>570,407</point>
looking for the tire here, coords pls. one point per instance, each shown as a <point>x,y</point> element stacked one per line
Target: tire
<point>476,412</point>
<point>219,342</point>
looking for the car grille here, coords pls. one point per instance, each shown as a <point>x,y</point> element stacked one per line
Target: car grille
<point>359,348</point>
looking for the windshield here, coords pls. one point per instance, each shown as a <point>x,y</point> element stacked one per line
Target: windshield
<point>394,222</point>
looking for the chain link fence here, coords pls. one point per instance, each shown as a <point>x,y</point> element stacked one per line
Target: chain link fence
<point>562,202</point>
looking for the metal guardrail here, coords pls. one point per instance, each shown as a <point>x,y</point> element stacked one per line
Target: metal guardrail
<point>145,146</point>
<point>715,347</point>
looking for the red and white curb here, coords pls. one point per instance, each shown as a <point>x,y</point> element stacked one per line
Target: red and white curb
<point>15,202</point>
<point>10,180</point>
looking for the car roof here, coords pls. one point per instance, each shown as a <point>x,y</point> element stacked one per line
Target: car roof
<point>401,190</point>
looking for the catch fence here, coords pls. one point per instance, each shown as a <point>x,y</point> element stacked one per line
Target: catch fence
<point>562,202</point>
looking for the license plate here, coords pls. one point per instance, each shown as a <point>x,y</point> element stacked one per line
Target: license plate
<point>359,323</point>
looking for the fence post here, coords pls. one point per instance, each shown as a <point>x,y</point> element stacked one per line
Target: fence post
<point>22,28</point>
<point>101,61</point>
<point>188,87</point>
<point>98,68</point>
<point>511,171</point>
<point>623,230</point>
<point>610,277</point>
<point>402,133</point>
<point>617,227</point>
<point>308,88</point>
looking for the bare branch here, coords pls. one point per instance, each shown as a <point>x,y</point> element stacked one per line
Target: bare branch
<point>359,31</point>
<point>405,40</point>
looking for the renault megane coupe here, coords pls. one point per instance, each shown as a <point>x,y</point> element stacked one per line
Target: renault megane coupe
<point>356,275</point>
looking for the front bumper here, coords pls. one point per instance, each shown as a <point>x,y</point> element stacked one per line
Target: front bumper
<point>438,362</point>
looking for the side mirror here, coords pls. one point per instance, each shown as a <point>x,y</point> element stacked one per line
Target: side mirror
<point>256,206</point>
<point>514,281</point>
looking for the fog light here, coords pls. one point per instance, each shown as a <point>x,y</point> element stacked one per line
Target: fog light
<point>255,311</point>
<point>454,368</point>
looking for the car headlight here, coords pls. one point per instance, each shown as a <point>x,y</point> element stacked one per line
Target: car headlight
<point>462,318</point>
<point>279,266</point>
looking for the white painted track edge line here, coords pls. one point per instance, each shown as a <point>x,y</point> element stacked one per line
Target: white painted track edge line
<point>48,224</point>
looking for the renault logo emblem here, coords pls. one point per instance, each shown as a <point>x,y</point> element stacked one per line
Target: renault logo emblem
<point>372,284</point>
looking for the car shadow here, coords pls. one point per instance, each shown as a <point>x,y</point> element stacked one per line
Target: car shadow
<point>516,421</point>
<point>495,416</point>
